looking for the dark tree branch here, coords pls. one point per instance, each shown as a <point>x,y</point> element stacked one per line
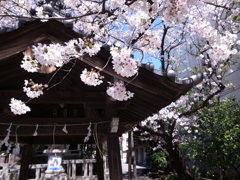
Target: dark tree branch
<point>162,53</point>
<point>217,5</point>
<point>152,132</point>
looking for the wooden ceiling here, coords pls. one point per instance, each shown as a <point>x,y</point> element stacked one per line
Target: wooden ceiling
<point>73,102</point>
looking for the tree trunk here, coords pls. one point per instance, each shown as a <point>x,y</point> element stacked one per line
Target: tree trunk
<point>178,164</point>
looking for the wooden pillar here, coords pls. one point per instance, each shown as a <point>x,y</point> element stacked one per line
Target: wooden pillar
<point>114,159</point>
<point>38,173</point>
<point>25,161</point>
<point>90,169</point>
<point>144,155</point>
<point>85,168</point>
<point>69,169</point>
<point>134,164</point>
<point>74,169</point>
<point>100,169</point>
<point>131,157</point>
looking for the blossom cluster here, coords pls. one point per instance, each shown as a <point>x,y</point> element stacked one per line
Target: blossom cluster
<point>150,41</point>
<point>91,78</point>
<point>123,64</point>
<point>90,47</point>
<point>50,55</point>
<point>33,90</point>
<point>18,107</point>
<point>57,55</point>
<point>118,92</point>
<point>29,64</point>
<point>41,14</point>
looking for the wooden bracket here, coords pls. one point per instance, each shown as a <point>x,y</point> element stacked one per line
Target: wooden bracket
<point>114,125</point>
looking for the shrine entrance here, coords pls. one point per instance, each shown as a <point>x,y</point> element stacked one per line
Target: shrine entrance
<point>71,111</point>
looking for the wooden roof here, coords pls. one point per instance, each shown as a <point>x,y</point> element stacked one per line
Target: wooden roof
<point>73,102</point>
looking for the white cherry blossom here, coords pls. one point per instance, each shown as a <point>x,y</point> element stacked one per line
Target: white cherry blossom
<point>48,55</point>
<point>123,64</point>
<point>91,78</point>
<point>33,90</point>
<point>41,14</point>
<point>118,92</point>
<point>29,64</point>
<point>18,107</point>
<point>90,47</point>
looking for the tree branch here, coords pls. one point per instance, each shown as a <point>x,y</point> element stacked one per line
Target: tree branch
<point>205,102</point>
<point>162,47</point>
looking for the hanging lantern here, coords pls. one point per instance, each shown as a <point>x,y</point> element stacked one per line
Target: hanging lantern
<point>54,160</point>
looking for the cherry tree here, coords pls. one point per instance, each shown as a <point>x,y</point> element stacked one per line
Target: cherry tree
<point>168,32</point>
<point>167,128</point>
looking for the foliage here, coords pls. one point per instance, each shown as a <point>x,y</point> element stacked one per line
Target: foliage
<point>159,160</point>
<point>215,146</point>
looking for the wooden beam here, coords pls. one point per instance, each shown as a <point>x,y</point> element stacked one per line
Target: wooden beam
<point>54,97</point>
<point>71,139</point>
<point>51,121</point>
<point>48,130</point>
<point>20,44</point>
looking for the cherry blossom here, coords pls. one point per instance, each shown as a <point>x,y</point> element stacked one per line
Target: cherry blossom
<point>40,13</point>
<point>72,47</point>
<point>18,107</point>
<point>50,55</point>
<point>123,64</point>
<point>91,78</point>
<point>118,92</point>
<point>90,47</point>
<point>29,64</point>
<point>150,41</point>
<point>33,90</point>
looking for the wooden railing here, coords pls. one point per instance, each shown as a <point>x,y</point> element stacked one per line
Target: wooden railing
<point>9,173</point>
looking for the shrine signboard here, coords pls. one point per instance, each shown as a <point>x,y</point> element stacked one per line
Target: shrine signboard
<point>54,164</point>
